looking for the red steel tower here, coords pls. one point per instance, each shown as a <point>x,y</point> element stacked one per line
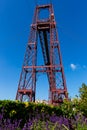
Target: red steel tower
<point>43,31</point>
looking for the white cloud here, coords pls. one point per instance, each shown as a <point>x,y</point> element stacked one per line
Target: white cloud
<point>73,66</point>
<point>77,66</point>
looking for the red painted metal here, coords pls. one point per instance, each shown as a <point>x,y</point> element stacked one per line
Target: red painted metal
<point>44,29</point>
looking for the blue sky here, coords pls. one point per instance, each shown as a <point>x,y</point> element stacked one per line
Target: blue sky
<point>15,20</point>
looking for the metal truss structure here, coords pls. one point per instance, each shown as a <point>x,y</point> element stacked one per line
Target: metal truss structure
<point>44,31</point>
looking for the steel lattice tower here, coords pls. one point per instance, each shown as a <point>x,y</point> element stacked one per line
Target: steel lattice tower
<point>43,30</point>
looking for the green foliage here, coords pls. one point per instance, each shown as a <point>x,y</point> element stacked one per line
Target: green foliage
<point>65,127</point>
<point>16,110</point>
<point>83,99</point>
<point>41,125</point>
<point>81,127</point>
<point>77,105</point>
<point>83,92</point>
<point>68,108</point>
